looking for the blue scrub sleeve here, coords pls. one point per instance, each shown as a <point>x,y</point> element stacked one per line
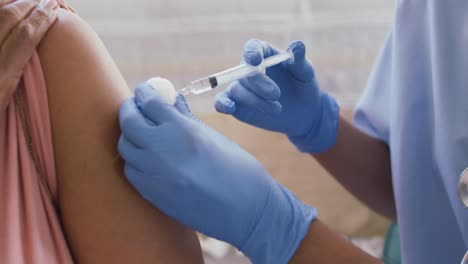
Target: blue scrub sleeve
<point>372,114</point>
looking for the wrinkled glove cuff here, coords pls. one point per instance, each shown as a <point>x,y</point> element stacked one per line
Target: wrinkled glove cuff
<point>280,230</point>
<point>322,136</point>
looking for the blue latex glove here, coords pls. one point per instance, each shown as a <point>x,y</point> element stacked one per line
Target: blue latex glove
<point>207,182</point>
<point>286,99</point>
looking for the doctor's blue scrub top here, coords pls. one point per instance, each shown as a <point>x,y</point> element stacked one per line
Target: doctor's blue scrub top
<point>417,102</point>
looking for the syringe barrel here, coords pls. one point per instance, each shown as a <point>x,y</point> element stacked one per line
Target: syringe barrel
<point>244,69</point>
<point>236,73</point>
<point>278,58</point>
<point>233,74</point>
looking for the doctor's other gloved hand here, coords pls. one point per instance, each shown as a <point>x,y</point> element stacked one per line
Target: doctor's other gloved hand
<point>286,99</point>
<point>207,182</point>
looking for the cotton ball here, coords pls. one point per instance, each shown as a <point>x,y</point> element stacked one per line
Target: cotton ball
<point>165,89</point>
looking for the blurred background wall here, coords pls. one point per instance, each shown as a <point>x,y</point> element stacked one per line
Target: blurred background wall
<point>186,39</point>
<point>183,40</point>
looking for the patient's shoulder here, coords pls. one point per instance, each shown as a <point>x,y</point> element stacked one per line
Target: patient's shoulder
<point>67,24</point>
<point>80,74</point>
<point>71,49</point>
<point>68,38</point>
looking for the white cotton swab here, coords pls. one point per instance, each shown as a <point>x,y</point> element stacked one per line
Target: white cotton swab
<point>165,89</point>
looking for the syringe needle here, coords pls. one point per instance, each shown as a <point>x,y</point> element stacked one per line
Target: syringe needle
<point>184,91</point>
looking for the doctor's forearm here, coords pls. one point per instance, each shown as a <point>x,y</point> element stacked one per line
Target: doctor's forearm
<point>362,165</point>
<point>321,245</point>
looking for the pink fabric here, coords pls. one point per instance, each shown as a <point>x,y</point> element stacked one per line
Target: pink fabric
<point>30,229</point>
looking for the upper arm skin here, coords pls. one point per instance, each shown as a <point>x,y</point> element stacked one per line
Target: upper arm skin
<point>105,219</point>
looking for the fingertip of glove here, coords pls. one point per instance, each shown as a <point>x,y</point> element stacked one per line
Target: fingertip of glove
<point>298,48</point>
<point>142,92</point>
<point>253,53</point>
<point>182,105</point>
<point>180,99</point>
<point>126,110</point>
<point>121,145</point>
<point>276,108</point>
<point>272,108</point>
<point>132,174</point>
<point>126,106</point>
<point>225,105</point>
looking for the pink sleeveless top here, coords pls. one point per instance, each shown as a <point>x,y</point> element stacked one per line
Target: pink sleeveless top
<point>30,228</point>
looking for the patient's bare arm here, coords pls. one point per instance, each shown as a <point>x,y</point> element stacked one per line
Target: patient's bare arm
<point>105,219</point>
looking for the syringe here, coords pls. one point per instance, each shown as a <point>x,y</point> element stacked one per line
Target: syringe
<point>206,84</point>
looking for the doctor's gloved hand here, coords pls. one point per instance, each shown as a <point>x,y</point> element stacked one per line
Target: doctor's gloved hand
<point>207,182</point>
<point>286,99</point>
